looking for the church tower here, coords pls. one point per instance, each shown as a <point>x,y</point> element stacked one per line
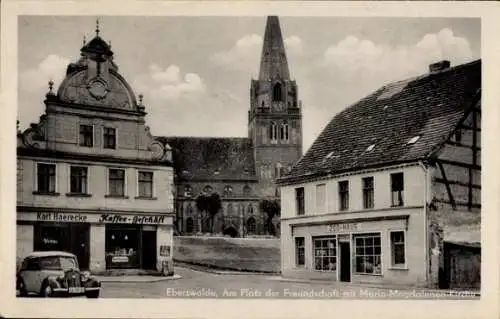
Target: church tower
<point>275,115</point>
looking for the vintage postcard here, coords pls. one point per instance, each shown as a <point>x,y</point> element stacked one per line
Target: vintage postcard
<point>171,157</point>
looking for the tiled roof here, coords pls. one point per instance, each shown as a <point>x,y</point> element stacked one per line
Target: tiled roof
<point>213,158</point>
<point>429,106</point>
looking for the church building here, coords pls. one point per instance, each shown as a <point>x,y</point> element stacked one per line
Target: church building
<point>243,170</point>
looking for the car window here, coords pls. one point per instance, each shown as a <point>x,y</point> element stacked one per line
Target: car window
<point>32,264</point>
<point>68,263</point>
<point>50,263</point>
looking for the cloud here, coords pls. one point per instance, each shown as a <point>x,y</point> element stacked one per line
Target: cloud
<point>244,55</point>
<point>168,84</point>
<point>53,68</point>
<point>362,59</point>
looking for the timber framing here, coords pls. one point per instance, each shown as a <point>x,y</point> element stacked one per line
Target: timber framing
<point>448,188</point>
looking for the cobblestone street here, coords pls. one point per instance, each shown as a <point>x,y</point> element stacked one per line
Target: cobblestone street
<point>198,284</point>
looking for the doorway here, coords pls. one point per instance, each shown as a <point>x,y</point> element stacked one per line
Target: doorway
<point>345,261</point>
<point>148,249</point>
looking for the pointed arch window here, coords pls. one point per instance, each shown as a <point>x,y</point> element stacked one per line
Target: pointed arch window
<point>273,131</point>
<point>284,131</point>
<point>277,92</point>
<point>250,209</point>
<point>247,190</point>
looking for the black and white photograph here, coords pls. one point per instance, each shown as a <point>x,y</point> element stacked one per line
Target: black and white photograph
<point>269,156</point>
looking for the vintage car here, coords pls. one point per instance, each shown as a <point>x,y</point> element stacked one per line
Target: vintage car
<point>55,274</point>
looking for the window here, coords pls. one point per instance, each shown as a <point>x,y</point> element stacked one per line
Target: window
<point>117,182</point>
<point>299,200</point>
<point>146,184</point>
<point>251,225</point>
<point>277,92</point>
<point>247,191</point>
<point>277,171</point>
<point>46,178</point>
<point>325,254</point>
<point>320,198</point>
<point>228,190</point>
<point>344,195</point>
<point>273,131</point>
<point>368,201</point>
<point>189,225</point>
<point>122,246</point>
<point>250,209</point>
<point>207,190</point>
<point>367,254</point>
<point>109,138</point>
<point>413,140</point>
<point>458,136</point>
<point>398,248</point>
<point>78,180</point>
<point>300,253</point>
<point>188,191</point>
<point>397,189</point>
<point>284,131</point>
<point>86,135</point>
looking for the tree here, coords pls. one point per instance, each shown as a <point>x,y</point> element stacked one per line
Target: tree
<point>210,204</point>
<point>272,208</point>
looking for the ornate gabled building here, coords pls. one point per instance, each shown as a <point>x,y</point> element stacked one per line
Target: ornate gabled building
<point>91,178</point>
<point>243,170</point>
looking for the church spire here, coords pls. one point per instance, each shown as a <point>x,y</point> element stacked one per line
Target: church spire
<point>273,60</point>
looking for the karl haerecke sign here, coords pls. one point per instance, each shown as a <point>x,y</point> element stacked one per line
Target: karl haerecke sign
<point>102,218</point>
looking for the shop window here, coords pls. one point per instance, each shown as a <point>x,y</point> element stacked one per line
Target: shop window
<point>117,182</point>
<point>189,225</point>
<point>122,246</point>
<point>86,135</point>
<point>109,138</point>
<point>79,180</point>
<point>46,178</point>
<point>368,200</point>
<point>398,248</point>
<point>344,195</point>
<point>300,254</point>
<point>146,184</point>
<point>367,254</point>
<point>397,189</point>
<point>251,225</point>
<point>299,200</point>
<point>325,254</point>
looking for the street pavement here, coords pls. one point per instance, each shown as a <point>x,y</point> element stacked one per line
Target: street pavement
<point>200,284</point>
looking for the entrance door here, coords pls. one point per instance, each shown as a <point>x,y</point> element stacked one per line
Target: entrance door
<point>80,244</point>
<point>345,261</point>
<point>148,249</point>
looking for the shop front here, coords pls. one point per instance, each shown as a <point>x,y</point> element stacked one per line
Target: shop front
<point>381,250</point>
<point>100,241</point>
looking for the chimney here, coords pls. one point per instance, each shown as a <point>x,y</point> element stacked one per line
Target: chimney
<point>439,66</point>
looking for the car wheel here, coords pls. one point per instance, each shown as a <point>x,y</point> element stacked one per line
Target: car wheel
<point>92,294</point>
<point>47,291</point>
<point>22,288</point>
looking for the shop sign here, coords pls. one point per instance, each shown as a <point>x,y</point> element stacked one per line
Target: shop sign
<point>136,219</point>
<point>339,228</point>
<point>61,217</point>
<point>119,259</point>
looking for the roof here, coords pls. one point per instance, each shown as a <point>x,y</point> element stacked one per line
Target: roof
<point>273,58</point>
<point>37,254</point>
<point>429,106</point>
<point>98,46</point>
<point>212,158</point>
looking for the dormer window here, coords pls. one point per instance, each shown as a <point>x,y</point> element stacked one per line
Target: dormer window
<point>413,140</point>
<point>329,155</point>
<point>370,148</point>
<point>277,92</point>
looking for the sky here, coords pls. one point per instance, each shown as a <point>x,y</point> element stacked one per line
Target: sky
<point>195,72</point>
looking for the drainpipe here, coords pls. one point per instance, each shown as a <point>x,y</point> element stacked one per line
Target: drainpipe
<point>426,225</point>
